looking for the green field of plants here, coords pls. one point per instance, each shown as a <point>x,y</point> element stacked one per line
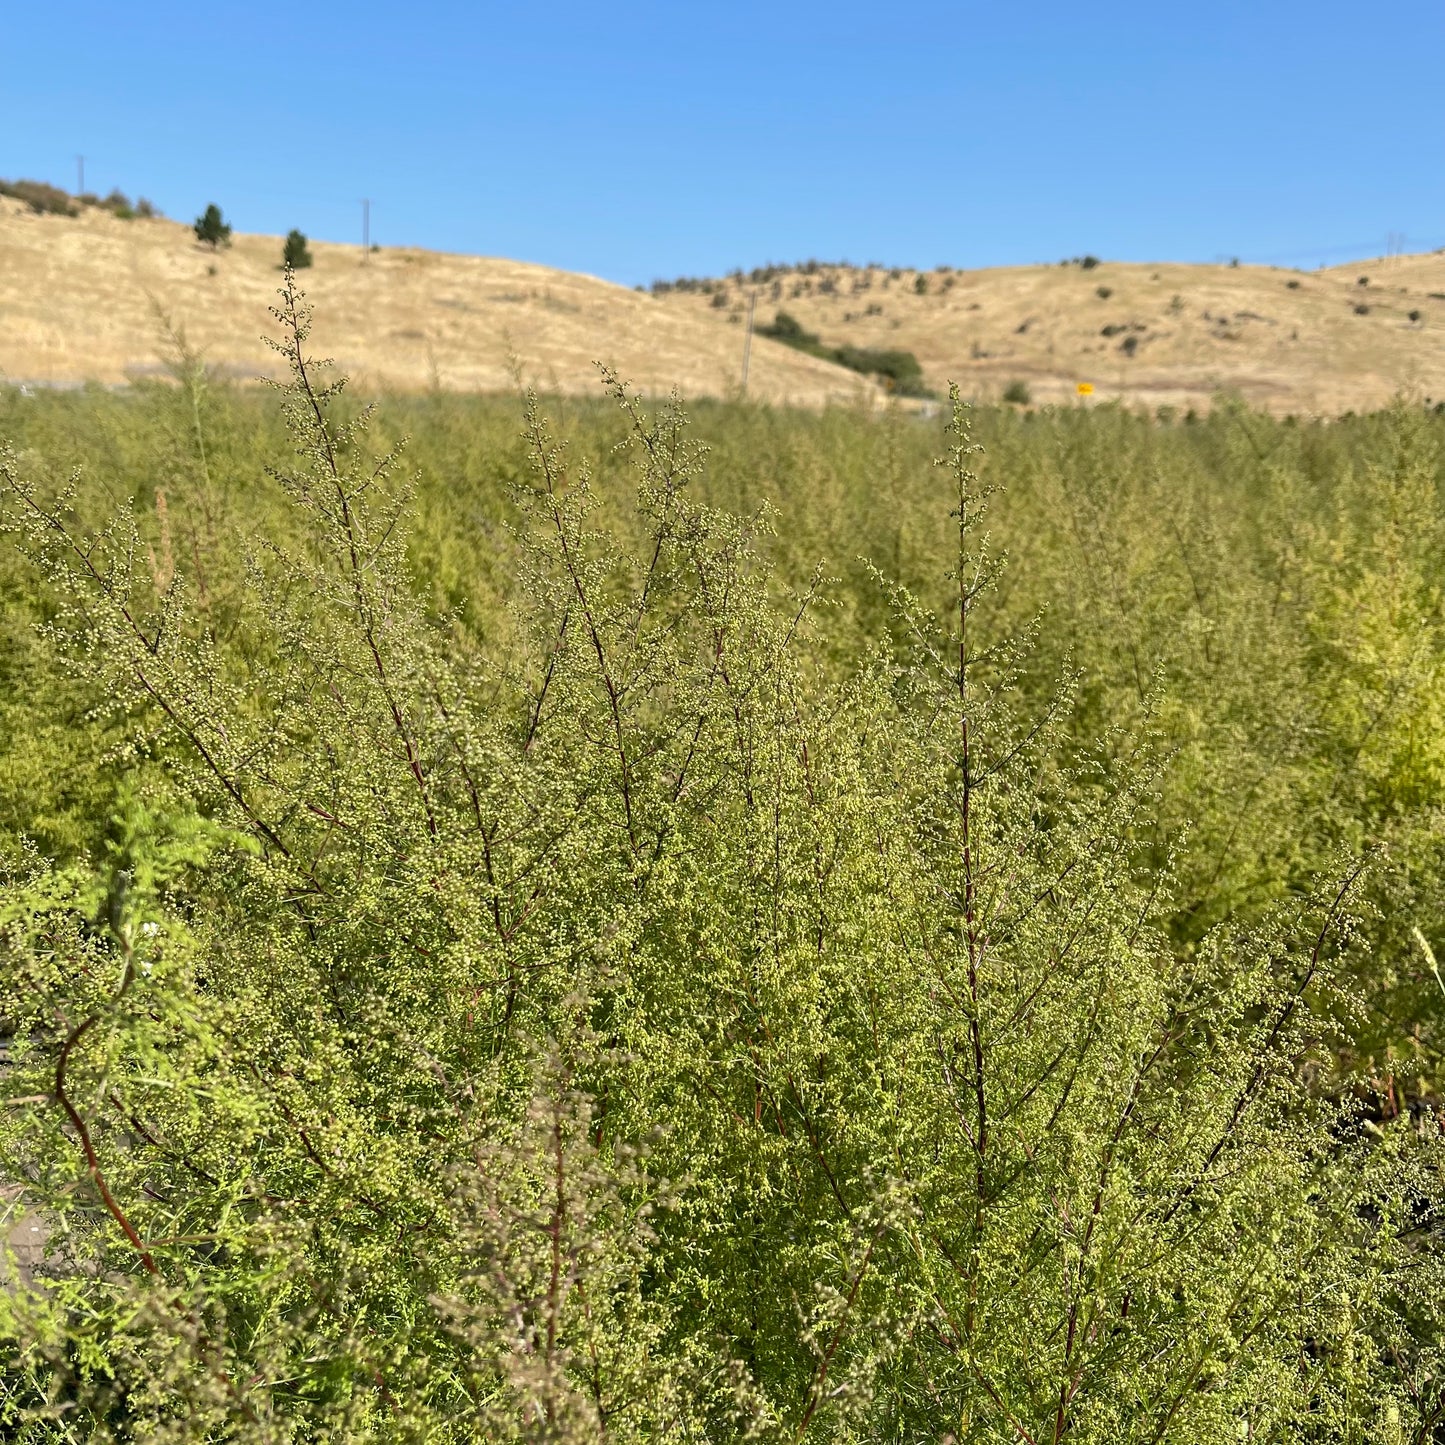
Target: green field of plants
<point>563,921</point>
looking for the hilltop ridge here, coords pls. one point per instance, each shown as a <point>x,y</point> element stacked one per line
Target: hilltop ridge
<point>81,298</point>
<point>1168,333</point>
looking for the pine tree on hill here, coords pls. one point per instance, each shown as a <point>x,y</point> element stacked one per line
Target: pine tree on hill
<point>211,229</point>
<point>295,252</point>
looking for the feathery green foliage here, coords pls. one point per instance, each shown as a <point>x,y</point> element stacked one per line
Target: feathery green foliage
<point>496,956</point>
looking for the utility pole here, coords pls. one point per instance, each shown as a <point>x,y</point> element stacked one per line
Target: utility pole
<point>80,175</point>
<point>748,339</point>
<point>365,231</point>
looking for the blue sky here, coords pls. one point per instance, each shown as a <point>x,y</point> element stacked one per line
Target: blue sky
<point>646,139</point>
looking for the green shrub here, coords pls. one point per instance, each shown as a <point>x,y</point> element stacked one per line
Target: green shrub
<point>502,957</point>
<point>43,199</point>
<point>211,230</point>
<point>1103,292</point>
<point>900,370</point>
<point>1016,393</point>
<point>295,253</point>
<point>790,331</point>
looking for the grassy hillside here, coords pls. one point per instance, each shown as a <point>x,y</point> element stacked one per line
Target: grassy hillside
<point>1175,335</point>
<point>79,296</point>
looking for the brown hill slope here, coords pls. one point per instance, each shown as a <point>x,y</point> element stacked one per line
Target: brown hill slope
<point>79,298</point>
<point>1311,342</point>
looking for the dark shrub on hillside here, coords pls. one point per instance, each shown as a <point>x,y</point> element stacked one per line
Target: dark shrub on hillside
<point>43,199</point>
<point>899,370</point>
<point>1018,393</point>
<point>211,229</point>
<point>295,253</point>
<point>789,331</point>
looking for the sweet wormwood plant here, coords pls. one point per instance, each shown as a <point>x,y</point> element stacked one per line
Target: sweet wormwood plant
<point>627,1031</point>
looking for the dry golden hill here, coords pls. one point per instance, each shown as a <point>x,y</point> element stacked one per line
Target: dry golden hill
<point>79,298</point>
<point>1310,342</point>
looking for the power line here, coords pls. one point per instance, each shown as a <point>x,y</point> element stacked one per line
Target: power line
<point>1394,245</point>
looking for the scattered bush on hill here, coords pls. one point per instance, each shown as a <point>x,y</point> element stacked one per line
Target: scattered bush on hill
<point>1017,393</point>
<point>46,199</point>
<point>118,204</point>
<point>295,253</point>
<point>42,198</point>
<point>899,370</point>
<point>211,230</point>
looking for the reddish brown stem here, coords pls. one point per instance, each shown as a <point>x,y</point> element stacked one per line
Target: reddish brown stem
<point>97,1175</point>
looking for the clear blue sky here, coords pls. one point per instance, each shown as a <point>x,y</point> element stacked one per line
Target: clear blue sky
<point>648,139</point>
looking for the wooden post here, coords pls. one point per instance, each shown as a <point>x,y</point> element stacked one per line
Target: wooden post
<point>748,339</point>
